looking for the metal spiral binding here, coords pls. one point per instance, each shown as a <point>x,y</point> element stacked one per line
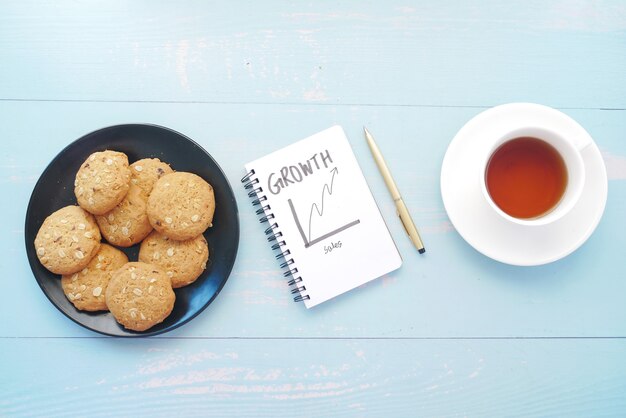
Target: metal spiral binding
<point>274,236</point>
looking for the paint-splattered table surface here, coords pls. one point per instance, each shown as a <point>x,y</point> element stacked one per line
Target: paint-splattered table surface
<point>451,333</point>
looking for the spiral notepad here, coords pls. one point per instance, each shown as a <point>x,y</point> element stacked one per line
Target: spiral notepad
<point>322,218</point>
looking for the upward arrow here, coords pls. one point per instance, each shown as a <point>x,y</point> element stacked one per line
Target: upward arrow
<point>326,188</point>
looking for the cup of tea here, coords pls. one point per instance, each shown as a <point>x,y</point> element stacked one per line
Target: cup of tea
<point>533,175</point>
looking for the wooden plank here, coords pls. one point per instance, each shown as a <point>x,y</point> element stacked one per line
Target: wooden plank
<point>158,377</point>
<point>450,334</point>
<point>452,291</point>
<point>418,53</point>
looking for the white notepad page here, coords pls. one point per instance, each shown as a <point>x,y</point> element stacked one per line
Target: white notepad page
<point>327,215</point>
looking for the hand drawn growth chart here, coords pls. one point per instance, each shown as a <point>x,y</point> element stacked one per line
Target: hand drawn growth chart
<point>319,210</point>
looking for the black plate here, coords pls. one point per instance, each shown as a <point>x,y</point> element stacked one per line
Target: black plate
<point>55,189</point>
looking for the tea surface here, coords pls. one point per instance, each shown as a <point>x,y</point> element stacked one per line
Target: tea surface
<point>526,177</point>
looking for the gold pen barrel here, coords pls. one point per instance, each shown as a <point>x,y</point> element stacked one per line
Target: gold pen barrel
<point>403,211</point>
<point>382,166</point>
<point>409,225</point>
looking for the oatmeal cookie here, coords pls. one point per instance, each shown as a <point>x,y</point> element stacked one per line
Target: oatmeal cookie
<point>183,261</point>
<point>181,206</point>
<point>140,296</point>
<point>144,173</point>
<point>67,240</point>
<point>127,224</point>
<point>86,288</point>
<point>102,181</point>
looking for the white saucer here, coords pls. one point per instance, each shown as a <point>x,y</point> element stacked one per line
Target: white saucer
<point>477,221</point>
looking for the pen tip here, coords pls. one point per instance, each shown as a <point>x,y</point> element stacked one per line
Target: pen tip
<point>366,131</point>
<point>422,250</point>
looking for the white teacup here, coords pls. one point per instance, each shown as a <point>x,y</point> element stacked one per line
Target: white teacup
<point>570,151</point>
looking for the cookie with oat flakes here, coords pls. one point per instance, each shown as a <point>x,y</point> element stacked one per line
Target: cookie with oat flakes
<point>67,240</point>
<point>181,205</point>
<point>144,173</point>
<point>140,296</point>
<point>86,288</point>
<point>102,181</point>
<point>127,224</point>
<point>183,261</point>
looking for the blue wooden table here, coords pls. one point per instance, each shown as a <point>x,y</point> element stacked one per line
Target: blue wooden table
<point>451,333</point>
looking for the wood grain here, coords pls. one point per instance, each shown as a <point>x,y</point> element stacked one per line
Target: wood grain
<point>450,334</point>
<point>451,291</point>
<point>563,54</point>
<point>160,377</point>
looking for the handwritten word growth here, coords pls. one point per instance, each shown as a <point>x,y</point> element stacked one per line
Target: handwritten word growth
<point>292,174</point>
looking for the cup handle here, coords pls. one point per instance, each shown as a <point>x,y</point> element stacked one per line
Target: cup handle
<point>581,139</point>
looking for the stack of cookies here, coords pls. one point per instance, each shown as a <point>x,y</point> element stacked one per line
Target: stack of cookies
<point>146,202</point>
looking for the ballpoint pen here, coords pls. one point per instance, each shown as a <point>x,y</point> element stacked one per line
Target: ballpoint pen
<point>401,209</point>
